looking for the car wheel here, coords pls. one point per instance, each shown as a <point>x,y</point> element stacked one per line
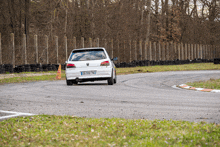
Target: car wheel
<point>111,80</point>
<point>69,82</point>
<point>115,80</point>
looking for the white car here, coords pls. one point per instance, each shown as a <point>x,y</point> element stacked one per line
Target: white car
<point>90,64</point>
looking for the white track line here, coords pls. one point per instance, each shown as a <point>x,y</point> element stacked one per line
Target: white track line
<point>174,86</point>
<point>215,91</point>
<point>15,114</point>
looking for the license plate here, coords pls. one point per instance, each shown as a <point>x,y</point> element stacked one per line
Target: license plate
<point>88,72</point>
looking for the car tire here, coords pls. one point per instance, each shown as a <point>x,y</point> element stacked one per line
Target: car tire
<point>69,82</point>
<point>111,80</point>
<point>115,80</point>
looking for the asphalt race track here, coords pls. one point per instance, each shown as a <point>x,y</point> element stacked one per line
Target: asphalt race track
<point>145,95</point>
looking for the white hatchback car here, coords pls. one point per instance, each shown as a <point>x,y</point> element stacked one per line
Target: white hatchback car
<point>90,64</point>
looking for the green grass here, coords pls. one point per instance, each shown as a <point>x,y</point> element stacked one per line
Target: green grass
<point>209,84</point>
<point>53,130</point>
<point>120,71</point>
<point>161,68</point>
<point>32,78</point>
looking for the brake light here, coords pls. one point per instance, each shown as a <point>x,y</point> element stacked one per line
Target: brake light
<point>105,63</point>
<point>70,66</point>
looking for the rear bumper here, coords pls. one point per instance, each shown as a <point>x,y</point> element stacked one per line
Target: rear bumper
<point>101,74</point>
<point>91,79</point>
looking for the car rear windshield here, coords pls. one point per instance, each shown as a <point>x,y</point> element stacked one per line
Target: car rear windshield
<point>83,55</point>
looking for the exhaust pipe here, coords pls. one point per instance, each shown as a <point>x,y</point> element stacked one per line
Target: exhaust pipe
<point>77,79</point>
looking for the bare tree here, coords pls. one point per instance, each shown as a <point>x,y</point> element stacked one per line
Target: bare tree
<point>148,20</point>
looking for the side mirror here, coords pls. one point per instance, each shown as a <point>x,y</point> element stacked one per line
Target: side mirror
<point>66,62</point>
<point>115,59</point>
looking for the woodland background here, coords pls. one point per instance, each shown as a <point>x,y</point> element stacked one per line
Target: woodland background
<point>179,21</point>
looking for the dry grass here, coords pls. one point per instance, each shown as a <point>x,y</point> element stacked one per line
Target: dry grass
<point>161,68</point>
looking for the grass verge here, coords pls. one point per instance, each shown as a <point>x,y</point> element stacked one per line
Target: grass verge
<point>120,71</point>
<point>161,68</point>
<point>45,130</point>
<point>209,84</point>
<point>33,78</point>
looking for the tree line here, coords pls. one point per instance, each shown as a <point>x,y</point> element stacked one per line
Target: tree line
<point>180,21</point>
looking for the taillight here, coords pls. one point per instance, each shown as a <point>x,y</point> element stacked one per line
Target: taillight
<point>105,63</point>
<point>70,66</point>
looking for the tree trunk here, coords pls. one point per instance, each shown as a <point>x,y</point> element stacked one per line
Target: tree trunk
<point>27,12</point>
<point>156,15</point>
<point>167,19</point>
<point>11,15</point>
<point>148,20</point>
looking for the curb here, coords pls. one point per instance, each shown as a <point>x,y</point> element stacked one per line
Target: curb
<point>184,86</point>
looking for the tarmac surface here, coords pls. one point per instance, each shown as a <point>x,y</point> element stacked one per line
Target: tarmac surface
<point>145,95</point>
